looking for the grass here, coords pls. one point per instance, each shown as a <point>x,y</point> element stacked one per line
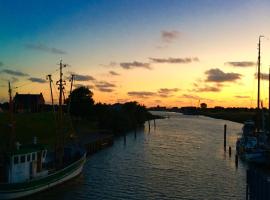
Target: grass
<point>40,125</point>
<point>239,116</point>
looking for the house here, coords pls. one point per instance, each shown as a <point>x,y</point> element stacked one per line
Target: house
<point>28,102</point>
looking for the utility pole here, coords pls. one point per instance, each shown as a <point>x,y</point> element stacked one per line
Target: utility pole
<point>50,79</point>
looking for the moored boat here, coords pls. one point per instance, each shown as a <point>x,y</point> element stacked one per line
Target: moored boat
<point>31,168</point>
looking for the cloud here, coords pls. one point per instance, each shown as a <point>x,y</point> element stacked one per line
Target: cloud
<point>208,89</point>
<point>111,64</point>
<point>242,97</point>
<point>169,36</point>
<point>37,80</point>
<point>188,96</point>
<point>1,64</point>
<point>42,47</point>
<point>135,64</point>
<point>166,92</point>
<point>141,94</point>
<point>264,76</point>
<point>174,60</point>
<point>14,73</point>
<point>104,86</point>
<point>80,77</point>
<point>82,85</point>
<point>216,75</point>
<point>241,64</point>
<point>113,73</point>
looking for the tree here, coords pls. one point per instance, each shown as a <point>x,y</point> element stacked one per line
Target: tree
<point>81,102</point>
<point>203,105</point>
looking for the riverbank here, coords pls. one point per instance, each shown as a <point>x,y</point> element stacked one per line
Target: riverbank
<point>43,126</point>
<point>234,116</point>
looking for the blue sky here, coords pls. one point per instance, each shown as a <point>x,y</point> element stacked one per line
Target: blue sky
<point>88,35</point>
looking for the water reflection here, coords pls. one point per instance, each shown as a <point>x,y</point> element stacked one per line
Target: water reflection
<point>183,158</point>
<point>258,183</point>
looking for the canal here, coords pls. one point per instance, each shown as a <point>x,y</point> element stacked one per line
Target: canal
<point>182,158</point>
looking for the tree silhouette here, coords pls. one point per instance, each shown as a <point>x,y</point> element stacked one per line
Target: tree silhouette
<point>81,102</point>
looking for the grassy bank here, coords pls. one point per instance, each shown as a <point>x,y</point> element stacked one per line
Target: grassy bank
<point>40,125</point>
<point>235,116</point>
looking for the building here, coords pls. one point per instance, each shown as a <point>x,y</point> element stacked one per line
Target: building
<point>28,102</point>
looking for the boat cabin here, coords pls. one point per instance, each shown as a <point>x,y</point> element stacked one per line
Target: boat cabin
<point>26,162</point>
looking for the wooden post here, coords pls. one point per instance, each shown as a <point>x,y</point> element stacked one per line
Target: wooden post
<point>154,123</point>
<point>135,133</point>
<point>125,140</point>
<point>236,160</point>
<point>247,195</point>
<point>225,132</point>
<point>149,127</point>
<point>230,151</point>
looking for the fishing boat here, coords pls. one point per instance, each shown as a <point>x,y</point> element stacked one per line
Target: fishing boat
<point>30,168</point>
<point>253,145</point>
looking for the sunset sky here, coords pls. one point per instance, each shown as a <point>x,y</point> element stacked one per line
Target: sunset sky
<point>156,52</point>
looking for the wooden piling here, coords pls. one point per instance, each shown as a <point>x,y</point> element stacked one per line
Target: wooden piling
<point>149,127</point>
<point>230,151</point>
<point>236,160</point>
<point>154,123</point>
<point>125,139</point>
<point>225,133</point>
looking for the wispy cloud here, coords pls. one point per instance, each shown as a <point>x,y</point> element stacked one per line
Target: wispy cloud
<point>104,86</point>
<point>207,89</point>
<point>37,80</point>
<point>81,77</point>
<point>216,75</point>
<point>42,47</point>
<point>141,94</point>
<point>162,92</point>
<point>241,97</point>
<point>241,64</point>
<point>111,64</point>
<point>174,60</point>
<point>135,64</point>
<point>14,73</point>
<point>167,92</point>
<point>169,36</point>
<point>189,96</point>
<point>113,73</point>
<point>82,85</point>
<point>264,76</point>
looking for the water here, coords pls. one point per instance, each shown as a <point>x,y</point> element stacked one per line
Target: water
<point>182,158</point>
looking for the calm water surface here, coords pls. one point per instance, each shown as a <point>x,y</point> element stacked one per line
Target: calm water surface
<point>182,158</point>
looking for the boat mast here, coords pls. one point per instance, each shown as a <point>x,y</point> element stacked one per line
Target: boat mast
<point>259,72</point>
<point>269,101</point>
<point>259,83</point>
<point>71,87</point>
<point>60,145</point>
<point>11,115</point>
<point>50,79</point>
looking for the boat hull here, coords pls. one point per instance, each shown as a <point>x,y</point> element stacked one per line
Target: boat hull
<point>18,190</point>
